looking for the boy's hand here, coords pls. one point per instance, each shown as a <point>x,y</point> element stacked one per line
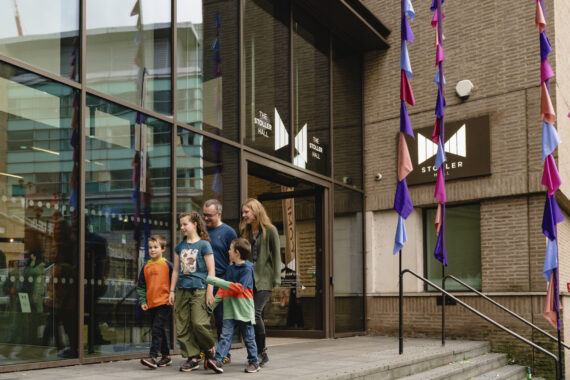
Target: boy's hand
<point>144,307</point>
<point>171,298</point>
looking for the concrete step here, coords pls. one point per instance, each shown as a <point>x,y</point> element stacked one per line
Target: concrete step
<point>437,358</point>
<point>463,369</point>
<point>508,372</point>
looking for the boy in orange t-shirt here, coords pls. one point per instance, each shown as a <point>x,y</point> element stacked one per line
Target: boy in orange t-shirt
<point>153,289</point>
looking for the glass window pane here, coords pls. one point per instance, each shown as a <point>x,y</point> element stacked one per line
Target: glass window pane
<point>128,51</point>
<point>266,74</point>
<point>127,199</point>
<point>311,95</point>
<point>207,169</point>
<point>348,261</point>
<point>208,57</point>
<point>42,33</point>
<point>347,117</point>
<point>463,242</point>
<point>38,218</point>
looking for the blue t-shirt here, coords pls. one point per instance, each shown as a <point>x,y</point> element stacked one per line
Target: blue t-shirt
<point>221,238</point>
<point>192,272</point>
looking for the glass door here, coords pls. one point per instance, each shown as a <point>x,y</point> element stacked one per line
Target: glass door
<point>295,208</point>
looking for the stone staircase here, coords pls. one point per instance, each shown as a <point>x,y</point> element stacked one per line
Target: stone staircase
<point>468,361</point>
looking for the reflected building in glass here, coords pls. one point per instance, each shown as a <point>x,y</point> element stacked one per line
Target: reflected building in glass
<point>117,116</point>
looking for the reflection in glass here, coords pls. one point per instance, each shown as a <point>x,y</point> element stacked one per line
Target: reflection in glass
<point>42,33</point>
<point>297,304</point>
<point>348,261</point>
<point>266,74</point>
<point>207,169</point>
<point>208,77</point>
<point>127,199</point>
<point>128,51</point>
<point>311,95</point>
<point>347,118</point>
<point>463,238</point>
<point>38,218</point>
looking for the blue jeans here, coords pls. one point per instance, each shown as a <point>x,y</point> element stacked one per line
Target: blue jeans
<point>225,342</point>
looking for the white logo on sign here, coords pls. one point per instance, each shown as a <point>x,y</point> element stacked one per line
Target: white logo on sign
<point>456,144</point>
<point>302,147</point>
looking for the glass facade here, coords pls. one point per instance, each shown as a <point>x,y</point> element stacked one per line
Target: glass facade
<point>90,169</point>
<point>38,218</point>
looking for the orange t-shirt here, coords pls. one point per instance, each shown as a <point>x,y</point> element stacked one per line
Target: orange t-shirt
<point>154,283</point>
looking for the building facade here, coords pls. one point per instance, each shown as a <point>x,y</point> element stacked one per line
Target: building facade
<point>117,116</point>
<point>494,192</point>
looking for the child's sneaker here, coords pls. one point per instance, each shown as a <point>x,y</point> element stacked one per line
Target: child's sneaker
<point>264,358</point>
<point>165,361</point>
<point>190,364</point>
<point>214,365</point>
<point>149,362</point>
<point>252,367</point>
<point>227,360</point>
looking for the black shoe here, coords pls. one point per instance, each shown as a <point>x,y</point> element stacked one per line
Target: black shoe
<point>165,361</point>
<point>214,365</point>
<point>252,367</point>
<point>190,364</point>
<point>264,358</point>
<point>150,362</point>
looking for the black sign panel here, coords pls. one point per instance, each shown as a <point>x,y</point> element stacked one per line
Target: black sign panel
<point>467,150</point>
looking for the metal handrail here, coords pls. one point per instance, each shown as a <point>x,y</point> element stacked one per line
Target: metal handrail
<point>493,322</point>
<point>503,308</point>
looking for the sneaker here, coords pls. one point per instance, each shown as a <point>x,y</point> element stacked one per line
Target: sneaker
<point>149,362</point>
<point>190,364</point>
<point>202,355</point>
<point>264,358</point>
<point>214,365</point>
<point>252,367</point>
<point>165,361</point>
<point>227,360</point>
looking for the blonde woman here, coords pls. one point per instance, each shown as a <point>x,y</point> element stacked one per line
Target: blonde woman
<point>256,227</point>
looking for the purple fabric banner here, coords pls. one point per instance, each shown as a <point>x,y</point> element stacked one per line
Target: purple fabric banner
<point>403,202</point>
<point>552,216</point>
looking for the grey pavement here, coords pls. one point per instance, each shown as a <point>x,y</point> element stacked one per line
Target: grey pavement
<point>342,358</point>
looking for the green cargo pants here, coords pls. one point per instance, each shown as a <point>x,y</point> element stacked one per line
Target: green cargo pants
<point>192,322</point>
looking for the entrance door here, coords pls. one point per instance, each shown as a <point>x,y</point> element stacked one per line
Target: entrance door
<point>296,308</point>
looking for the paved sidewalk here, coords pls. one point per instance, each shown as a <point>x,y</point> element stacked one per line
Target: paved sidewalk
<point>342,358</point>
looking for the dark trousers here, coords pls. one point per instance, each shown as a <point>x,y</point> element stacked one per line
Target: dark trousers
<point>160,316</point>
<point>260,299</point>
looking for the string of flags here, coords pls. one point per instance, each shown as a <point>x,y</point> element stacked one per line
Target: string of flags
<point>550,176</point>
<point>437,137</point>
<point>402,201</point>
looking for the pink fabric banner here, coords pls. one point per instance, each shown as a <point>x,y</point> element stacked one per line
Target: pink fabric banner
<point>550,177</point>
<point>539,20</point>
<point>546,110</point>
<point>404,161</point>
<point>438,219</point>
<point>439,193</point>
<point>439,54</point>
<point>546,71</point>
<point>406,93</point>
<point>548,311</point>
<point>436,131</point>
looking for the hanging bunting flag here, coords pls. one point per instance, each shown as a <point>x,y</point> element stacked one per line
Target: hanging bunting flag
<point>440,252</point>
<point>405,61</point>
<point>438,219</point>
<point>402,201</point>
<point>551,217</point>
<point>539,20</point>
<point>436,131</point>
<point>550,139</point>
<point>439,193</point>
<point>546,109</point>
<point>401,236</point>
<point>551,259</point>
<point>550,177</point>
<point>436,78</point>
<point>550,311</point>
<point>405,166</point>
<point>545,47</point>
<point>406,93</point>
<point>546,71</point>
<point>405,125</point>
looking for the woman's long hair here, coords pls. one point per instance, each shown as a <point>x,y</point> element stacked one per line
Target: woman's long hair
<point>261,217</point>
<point>200,226</point>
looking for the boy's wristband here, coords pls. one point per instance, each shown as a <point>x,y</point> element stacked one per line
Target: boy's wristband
<point>172,291</point>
